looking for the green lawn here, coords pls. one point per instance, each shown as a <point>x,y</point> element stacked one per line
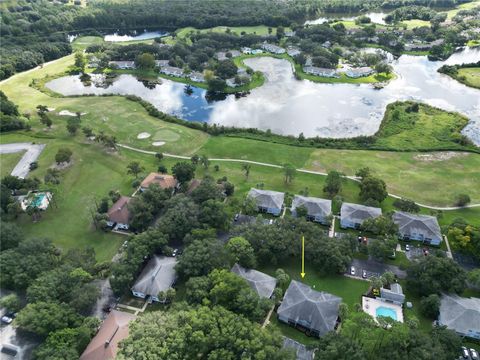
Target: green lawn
<point>466,6</point>
<point>411,24</point>
<point>82,42</point>
<point>469,76</point>
<point>258,30</point>
<point>8,162</point>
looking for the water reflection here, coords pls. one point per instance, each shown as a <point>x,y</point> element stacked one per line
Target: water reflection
<point>376,17</point>
<point>117,37</point>
<point>290,107</point>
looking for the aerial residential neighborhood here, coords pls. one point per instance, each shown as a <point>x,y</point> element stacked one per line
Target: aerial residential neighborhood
<point>255,179</point>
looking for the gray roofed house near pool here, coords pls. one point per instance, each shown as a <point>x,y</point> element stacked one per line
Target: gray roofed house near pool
<point>353,215</point>
<point>418,227</point>
<point>313,311</point>
<point>461,315</point>
<point>267,201</point>
<point>318,209</point>
<point>262,283</point>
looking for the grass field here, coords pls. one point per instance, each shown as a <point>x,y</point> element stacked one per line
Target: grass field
<point>466,6</point>
<point>411,24</point>
<point>82,42</point>
<point>469,76</point>
<point>8,162</point>
<point>258,30</point>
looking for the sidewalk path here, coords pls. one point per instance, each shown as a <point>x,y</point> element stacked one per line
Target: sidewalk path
<point>305,171</point>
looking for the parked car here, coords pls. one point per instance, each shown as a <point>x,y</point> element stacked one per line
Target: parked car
<point>237,216</point>
<point>8,317</point>
<point>352,270</point>
<point>407,247</point>
<point>465,352</point>
<point>8,349</point>
<point>364,274</point>
<point>474,354</point>
<point>174,252</point>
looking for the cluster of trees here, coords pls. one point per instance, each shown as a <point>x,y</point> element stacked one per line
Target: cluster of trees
<point>59,292</point>
<point>10,118</point>
<point>464,237</point>
<point>9,207</point>
<point>411,12</point>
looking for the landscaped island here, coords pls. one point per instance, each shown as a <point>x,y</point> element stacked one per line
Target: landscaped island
<point>468,74</point>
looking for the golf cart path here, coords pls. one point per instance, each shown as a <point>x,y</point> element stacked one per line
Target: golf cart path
<point>305,171</point>
<point>32,153</point>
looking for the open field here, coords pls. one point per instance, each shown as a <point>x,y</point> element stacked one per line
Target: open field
<point>466,6</point>
<point>83,42</point>
<point>414,23</point>
<point>469,76</point>
<point>258,30</point>
<point>8,162</point>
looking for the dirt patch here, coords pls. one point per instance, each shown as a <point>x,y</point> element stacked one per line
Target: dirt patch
<point>143,135</point>
<point>62,166</point>
<point>439,156</point>
<point>158,143</point>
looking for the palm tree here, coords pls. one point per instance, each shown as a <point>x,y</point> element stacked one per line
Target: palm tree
<point>246,168</point>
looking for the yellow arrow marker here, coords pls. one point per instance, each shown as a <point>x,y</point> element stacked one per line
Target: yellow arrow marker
<point>303,257</point>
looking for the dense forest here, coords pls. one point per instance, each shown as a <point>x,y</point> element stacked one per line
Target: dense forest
<point>34,32</point>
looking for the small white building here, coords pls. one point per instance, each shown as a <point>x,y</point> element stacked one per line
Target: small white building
<point>161,63</point>
<point>274,49</point>
<point>359,72</point>
<point>172,71</point>
<point>293,51</point>
<point>196,76</point>
<point>123,65</point>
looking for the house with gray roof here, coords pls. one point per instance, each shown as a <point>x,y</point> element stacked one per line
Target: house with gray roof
<point>311,311</point>
<point>318,210</point>
<point>394,294</point>
<point>270,202</point>
<point>122,64</point>
<point>317,71</point>
<point>353,215</point>
<point>196,76</point>
<point>423,228</point>
<point>301,351</point>
<point>160,63</point>
<point>262,283</point>
<point>274,49</point>
<point>172,71</point>
<point>157,276</point>
<point>461,315</point>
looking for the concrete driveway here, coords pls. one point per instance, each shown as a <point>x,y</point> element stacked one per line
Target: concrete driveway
<point>33,151</point>
<point>375,268</point>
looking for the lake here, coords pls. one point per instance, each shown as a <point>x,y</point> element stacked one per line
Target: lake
<point>288,106</point>
<point>376,17</point>
<point>145,35</point>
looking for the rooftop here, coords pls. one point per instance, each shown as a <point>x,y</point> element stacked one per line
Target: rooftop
<point>315,206</point>
<point>358,213</point>
<point>162,180</point>
<point>119,212</point>
<point>267,198</point>
<point>262,283</point>
<point>460,314</point>
<point>158,275</point>
<point>417,224</point>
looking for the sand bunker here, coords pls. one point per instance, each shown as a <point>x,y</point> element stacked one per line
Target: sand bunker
<point>158,143</point>
<point>143,135</point>
<point>439,156</point>
<point>69,113</point>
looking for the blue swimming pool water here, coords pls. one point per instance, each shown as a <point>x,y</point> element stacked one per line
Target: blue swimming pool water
<point>387,312</point>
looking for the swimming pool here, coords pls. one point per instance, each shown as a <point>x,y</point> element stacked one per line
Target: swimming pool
<point>387,312</point>
<point>38,200</point>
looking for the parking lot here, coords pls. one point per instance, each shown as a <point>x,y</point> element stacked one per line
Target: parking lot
<point>374,268</point>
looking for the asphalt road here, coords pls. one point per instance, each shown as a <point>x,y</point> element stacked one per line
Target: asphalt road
<point>33,151</point>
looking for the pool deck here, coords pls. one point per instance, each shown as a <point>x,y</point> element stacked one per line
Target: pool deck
<point>370,306</point>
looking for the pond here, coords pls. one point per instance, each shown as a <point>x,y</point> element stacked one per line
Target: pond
<point>376,17</point>
<point>288,106</point>
<point>134,35</point>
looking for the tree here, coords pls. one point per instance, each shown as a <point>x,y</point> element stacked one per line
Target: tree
<point>363,173</point>
<point>45,120</point>
<point>179,218</point>
<point>183,171</point>
<point>240,251</point>
<point>388,278</point>
<point>10,235</point>
<point>134,168</point>
<point>216,84</point>
<point>373,188</point>
<point>194,159</point>
<point>381,225</point>
<point>339,347</point>
<point>462,200</point>
<point>430,306</point>
<point>246,169</point>
<point>301,211</point>
<point>145,61</point>
<point>433,274</point>
<point>333,183</point>
<point>406,205</point>
<point>201,257</point>
<point>10,302</point>
<point>159,156</point>
<point>289,173</point>
<point>63,155</point>
<point>474,277</point>
<point>80,61</point>
<point>283,279</point>
<point>87,131</point>
<point>42,318</point>
<point>382,248</point>
<point>230,336</point>
<point>204,161</point>
<point>73,124</point>
<point>207,190</point>
<point>213,214</point>
<point>226,69</point>
<point>382,67</point>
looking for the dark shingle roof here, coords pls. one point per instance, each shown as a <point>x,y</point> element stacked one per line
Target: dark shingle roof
<point>419,224</point>
<point>318,310</point>
<point>358,213</point>
<point>300,350</point>
<point>267,198</point>
<point>460,314</point>
<point>119,212</point>
<point>262,283</point>
<point>315,206</point>
<point>158,275</point>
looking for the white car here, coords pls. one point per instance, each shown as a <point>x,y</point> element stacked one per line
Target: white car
<point>407,247</point>
<point>352,270</point>
<point>7,319</point>
<point>474,354</point>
